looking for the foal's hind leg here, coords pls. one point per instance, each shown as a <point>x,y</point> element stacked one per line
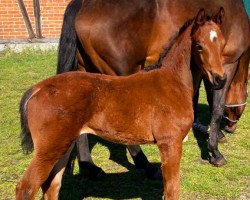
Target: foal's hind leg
<point>171,152</point>
<point>52,185</point>
<point>37,172</point>
<point>45,157</point>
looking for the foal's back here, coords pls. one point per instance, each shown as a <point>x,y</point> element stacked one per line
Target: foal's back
<point>131,108</point>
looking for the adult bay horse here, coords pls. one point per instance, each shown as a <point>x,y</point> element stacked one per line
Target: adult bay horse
<point>236,96</point>
<point>236,99</point>
<point>146,107</point>
<point>120,37</point>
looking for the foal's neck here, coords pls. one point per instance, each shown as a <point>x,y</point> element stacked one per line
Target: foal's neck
<point>178,58</point>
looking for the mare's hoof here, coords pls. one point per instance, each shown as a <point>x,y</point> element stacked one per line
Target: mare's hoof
<point>154,173</point>
<point>218,162</point>
<point>230,129</point>
<point>92,171</point>
<point>222,138</point>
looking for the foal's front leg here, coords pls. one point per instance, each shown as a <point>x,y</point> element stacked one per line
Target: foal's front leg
<point>171,152</point>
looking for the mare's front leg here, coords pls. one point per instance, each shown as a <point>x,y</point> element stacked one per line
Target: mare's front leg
<point>141,162</point>
<point>219,96</point>
<point>171,151</point>
<point>209,92</point>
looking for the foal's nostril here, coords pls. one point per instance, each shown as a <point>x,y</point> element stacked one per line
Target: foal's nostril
<point>219,81</point>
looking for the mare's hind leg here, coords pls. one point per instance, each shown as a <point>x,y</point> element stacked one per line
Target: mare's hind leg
<point>52,185</point>
<point>141,162</point>
<point>84,158</point>
<point>171,152</point>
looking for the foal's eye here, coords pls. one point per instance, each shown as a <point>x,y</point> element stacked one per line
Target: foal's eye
<point>198,47</point>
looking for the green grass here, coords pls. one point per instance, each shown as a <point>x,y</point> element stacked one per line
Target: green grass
<point>199,180</point>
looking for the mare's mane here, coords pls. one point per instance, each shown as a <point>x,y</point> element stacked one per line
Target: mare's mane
<point>173,39</point>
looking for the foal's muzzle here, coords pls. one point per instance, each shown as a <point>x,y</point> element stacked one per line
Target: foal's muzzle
<point>219,81</point>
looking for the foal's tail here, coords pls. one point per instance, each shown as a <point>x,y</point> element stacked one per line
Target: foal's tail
<point>26,139</point>
<point>68,40</point>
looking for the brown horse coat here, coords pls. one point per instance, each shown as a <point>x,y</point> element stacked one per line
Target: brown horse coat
<point>147,107</point>
<point>120,37</point>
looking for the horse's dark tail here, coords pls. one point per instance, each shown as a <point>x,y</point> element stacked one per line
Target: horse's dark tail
<point>68,40</point>
<point>26,139</point>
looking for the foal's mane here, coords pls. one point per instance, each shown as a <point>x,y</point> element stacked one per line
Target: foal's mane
<point>173,39</point>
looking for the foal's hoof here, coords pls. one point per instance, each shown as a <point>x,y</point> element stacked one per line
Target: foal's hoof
<point>92,171</point>
<point>218,162</point>
<point>154,173</point>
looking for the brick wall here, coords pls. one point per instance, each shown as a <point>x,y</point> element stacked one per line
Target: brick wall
<point>12,25</point>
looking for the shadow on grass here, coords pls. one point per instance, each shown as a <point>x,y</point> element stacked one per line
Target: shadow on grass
<point>125,185</point>
<point>118,152</point>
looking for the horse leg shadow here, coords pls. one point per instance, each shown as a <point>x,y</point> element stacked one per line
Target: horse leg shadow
<point>201,139</point>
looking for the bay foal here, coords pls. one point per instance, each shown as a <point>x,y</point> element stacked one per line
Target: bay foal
<point>147,107</point>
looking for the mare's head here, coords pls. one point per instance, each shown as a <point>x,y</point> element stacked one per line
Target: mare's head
<point>207,46</point>
<point>236,100</point>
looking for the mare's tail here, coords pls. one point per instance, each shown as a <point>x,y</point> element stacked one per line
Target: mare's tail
<point>68,40</point>
<point>26,139</point>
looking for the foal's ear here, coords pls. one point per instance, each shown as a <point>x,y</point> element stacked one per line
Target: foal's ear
<point>218,18</point>
<point>200,18</point>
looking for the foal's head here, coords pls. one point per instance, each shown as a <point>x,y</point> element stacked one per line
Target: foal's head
<point>207,46</point>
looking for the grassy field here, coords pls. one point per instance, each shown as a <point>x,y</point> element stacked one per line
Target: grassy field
<point>199,180</point>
